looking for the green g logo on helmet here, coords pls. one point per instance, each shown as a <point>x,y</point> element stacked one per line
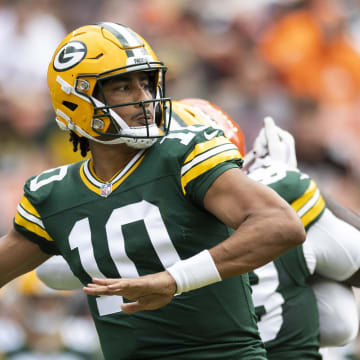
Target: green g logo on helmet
<point>69,55</point>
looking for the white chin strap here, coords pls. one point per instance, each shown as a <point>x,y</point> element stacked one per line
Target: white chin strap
<point>139,134</point>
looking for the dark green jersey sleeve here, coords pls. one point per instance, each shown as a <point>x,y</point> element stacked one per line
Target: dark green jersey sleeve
<point>28,221</point>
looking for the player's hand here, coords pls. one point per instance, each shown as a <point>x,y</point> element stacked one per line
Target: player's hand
<point>149,292</point>
<point>273,143</point>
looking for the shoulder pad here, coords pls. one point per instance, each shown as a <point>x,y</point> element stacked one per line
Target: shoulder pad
<point>38,188</point>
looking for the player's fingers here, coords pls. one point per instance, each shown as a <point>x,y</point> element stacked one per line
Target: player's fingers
<point>104,281</point>
<point>131,308</point>
<point>149,302</point>
<point>96,290</point>
<point>90,285</point>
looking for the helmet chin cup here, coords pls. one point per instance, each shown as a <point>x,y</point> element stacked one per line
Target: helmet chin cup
<point>137,137</point>
<point>137,143</point>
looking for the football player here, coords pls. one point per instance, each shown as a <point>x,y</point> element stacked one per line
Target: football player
<point>151,214</point>
<point>289,312</point>
<point>332,250</point>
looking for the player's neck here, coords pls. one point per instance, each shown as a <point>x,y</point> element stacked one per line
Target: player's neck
<point>108,160</point>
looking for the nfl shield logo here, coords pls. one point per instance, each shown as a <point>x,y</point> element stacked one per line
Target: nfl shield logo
<point>106,190</point>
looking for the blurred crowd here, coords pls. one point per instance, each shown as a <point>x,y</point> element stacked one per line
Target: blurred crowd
<point>297,61</point>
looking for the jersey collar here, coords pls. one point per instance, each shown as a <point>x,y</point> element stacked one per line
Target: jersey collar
<point>104,189</point>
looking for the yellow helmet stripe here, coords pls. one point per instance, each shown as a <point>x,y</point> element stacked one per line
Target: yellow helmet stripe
<point>178,119</point>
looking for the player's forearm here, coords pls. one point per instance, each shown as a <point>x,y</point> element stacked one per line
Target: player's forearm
<point>18,256</point>
<point>266,225</point>
<point>261,238</point>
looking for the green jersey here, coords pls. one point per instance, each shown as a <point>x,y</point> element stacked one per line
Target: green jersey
<point>149,216</point>
<point>284,302</point>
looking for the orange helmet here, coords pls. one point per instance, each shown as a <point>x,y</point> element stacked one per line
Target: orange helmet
<point>198,111</point>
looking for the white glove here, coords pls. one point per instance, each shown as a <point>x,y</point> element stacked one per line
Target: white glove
<point>272,145</point>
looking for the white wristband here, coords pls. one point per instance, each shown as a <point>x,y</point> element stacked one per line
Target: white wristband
<point>194,272</point>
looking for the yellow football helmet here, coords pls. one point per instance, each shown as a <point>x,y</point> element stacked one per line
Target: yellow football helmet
<point>82,62</point>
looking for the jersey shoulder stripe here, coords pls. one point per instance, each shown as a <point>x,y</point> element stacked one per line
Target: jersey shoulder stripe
<point>297,188</point>
<point>28,217</point>
<point>206,156</point>
<point>205,146</point>
<point>203,153</point>
<point>310,192</point>
<point>310,205</point>
<point>29,221</point>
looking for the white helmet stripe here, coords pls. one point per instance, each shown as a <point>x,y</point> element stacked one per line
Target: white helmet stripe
<point>128,39</point>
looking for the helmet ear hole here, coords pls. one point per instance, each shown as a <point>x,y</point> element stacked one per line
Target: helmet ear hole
<point>70,105</point>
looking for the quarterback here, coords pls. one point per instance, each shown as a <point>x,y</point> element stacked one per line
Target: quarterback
<point>292,309</point>
<point>151,214</point>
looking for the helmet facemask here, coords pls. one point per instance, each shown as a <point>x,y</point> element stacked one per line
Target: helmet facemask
<point>112,129</point>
